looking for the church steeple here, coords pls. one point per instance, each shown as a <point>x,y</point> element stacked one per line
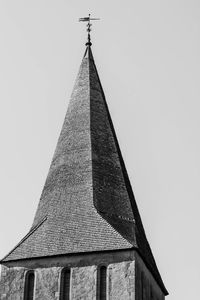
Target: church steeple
<point>87,204</point>
<point>85,195</point>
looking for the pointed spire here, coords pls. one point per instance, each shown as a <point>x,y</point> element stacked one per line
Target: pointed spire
<point>87,203</point>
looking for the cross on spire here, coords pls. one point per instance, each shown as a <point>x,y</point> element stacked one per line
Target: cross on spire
<point>88,19</point>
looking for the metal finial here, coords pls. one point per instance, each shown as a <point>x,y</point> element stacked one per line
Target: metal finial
<point>88,19</point>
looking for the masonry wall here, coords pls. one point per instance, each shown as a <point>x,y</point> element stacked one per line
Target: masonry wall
<point>146,288</point>
<point>12,283</point>
<point>120,282</point>
<point>124,277</point>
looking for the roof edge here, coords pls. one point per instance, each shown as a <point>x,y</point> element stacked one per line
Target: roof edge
<point>128,184</point>
<point>25,237</point>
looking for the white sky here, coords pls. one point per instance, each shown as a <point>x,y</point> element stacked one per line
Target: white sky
<point>147,55</point>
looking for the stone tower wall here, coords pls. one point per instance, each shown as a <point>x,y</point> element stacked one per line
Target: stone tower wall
<point>120,282</point>
<point>146,286</point>
<point>124,269</point>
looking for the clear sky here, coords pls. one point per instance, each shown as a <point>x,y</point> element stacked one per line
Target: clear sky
<point>147,55</point>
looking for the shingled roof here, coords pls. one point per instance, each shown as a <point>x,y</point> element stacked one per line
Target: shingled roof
<point>87,203</point>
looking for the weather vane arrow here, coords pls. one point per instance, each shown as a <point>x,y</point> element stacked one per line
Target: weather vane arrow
<point>88,19</point>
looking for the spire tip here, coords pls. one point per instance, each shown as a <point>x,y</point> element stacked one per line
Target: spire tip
<point>88,19</point>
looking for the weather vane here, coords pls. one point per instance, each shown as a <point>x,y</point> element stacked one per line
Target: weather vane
<point>88,19</point>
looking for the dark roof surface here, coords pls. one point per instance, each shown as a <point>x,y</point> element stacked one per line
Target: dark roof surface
<point>87,203</point>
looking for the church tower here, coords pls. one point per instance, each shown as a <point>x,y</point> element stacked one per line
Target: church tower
<point>87,240</point>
